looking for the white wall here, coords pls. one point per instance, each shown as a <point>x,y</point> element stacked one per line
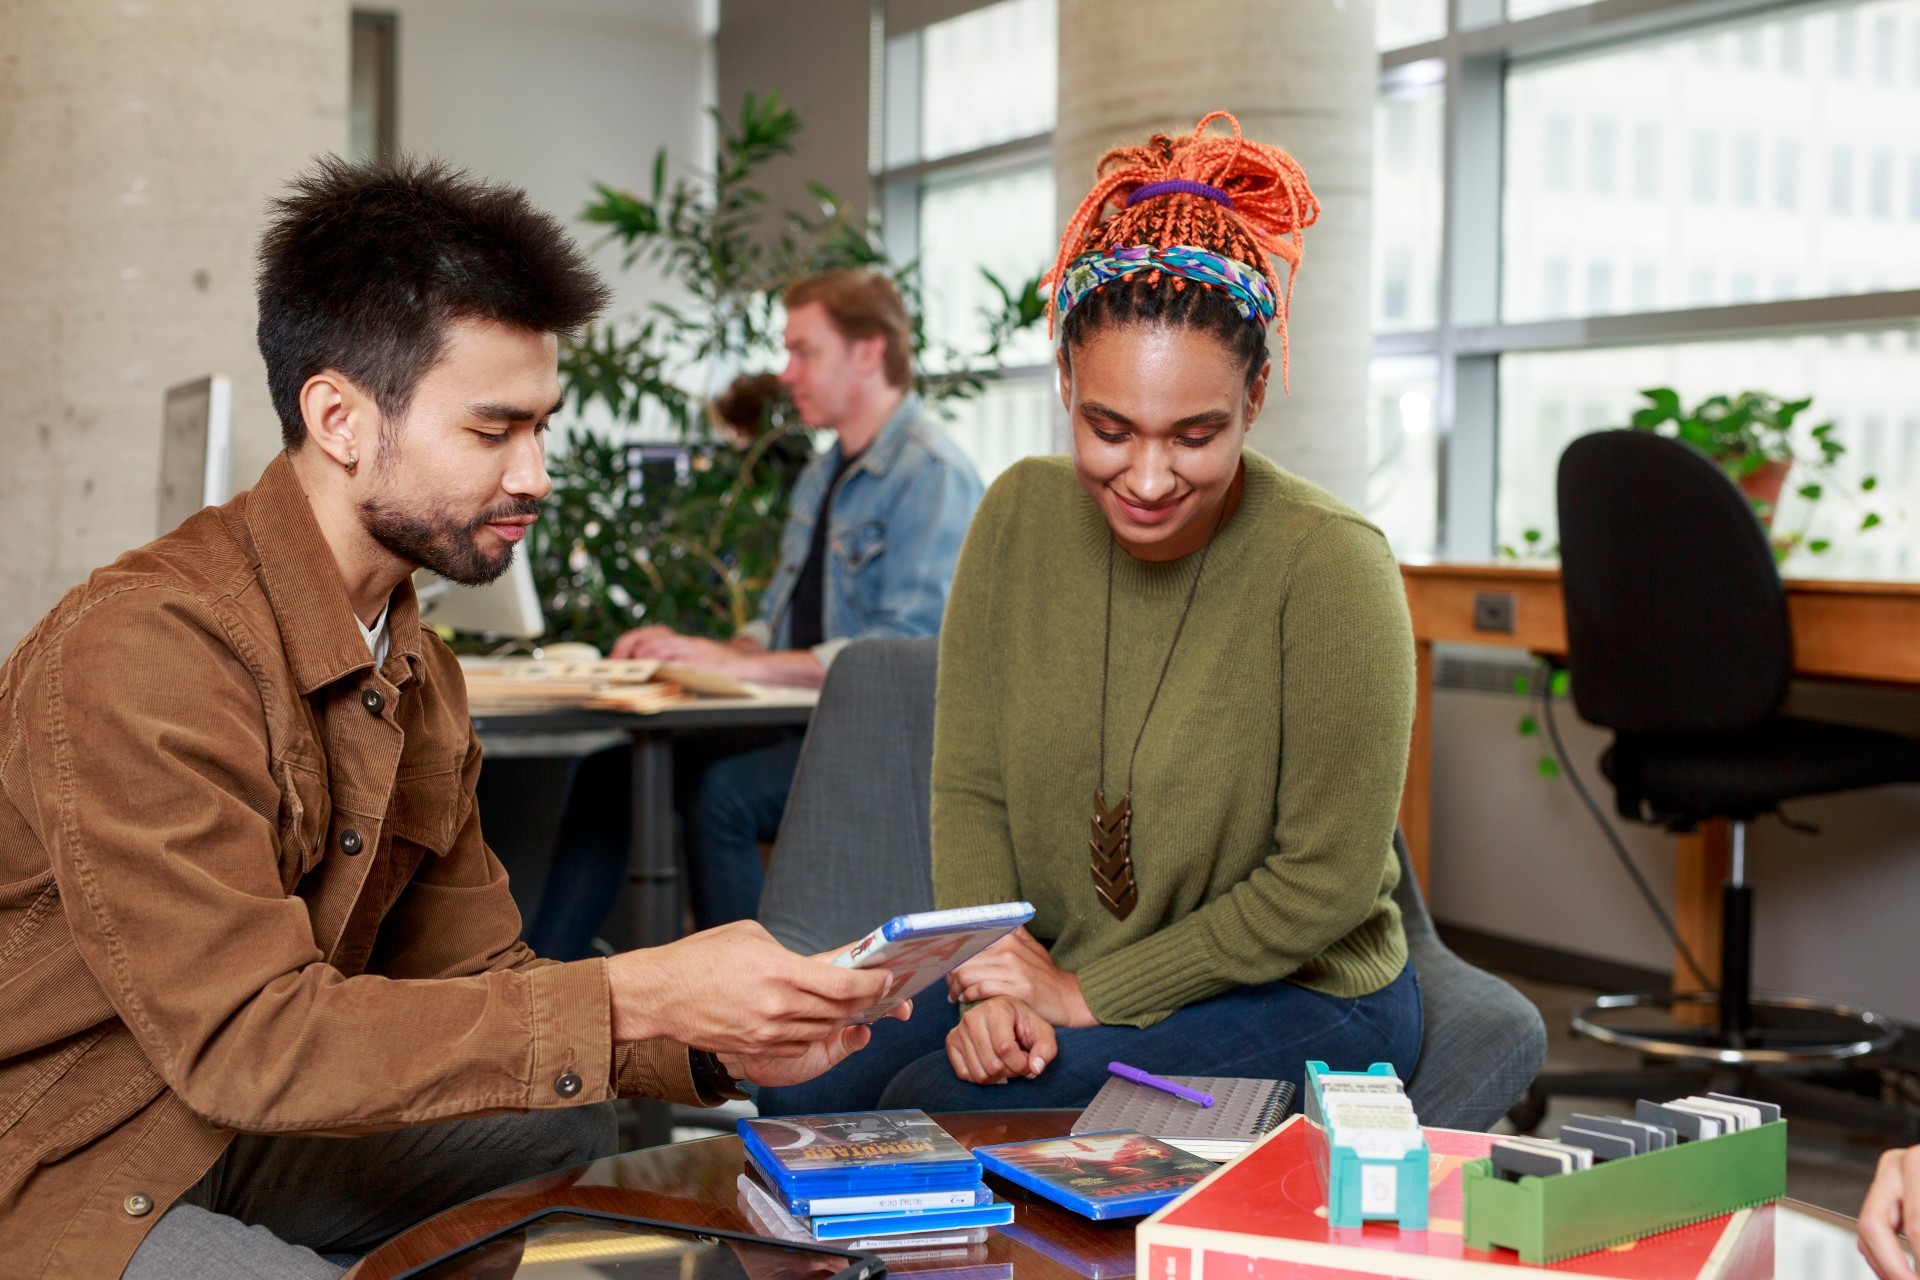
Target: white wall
<point>1837,916</point>
<point>554,95</point>
<point>139,144</point>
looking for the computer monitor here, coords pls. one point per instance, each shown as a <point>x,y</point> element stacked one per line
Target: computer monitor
<point>507,606</point>
<point>196,446</point>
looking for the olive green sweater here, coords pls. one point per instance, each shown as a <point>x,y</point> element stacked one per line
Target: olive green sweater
<point>1269,778</point>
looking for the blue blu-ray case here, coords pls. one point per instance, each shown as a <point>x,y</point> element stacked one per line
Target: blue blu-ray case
<point>1122,1174</point>
<point>922,947</point>
<point>882,1201</point>
<point>856,1153</point>
<point>853,1226</point>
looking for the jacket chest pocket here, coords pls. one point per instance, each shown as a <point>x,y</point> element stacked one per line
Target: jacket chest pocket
<point>858,550</point>
<point>428,810</point>
<point>305,809</point>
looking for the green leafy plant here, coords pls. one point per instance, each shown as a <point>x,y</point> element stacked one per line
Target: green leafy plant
<point>1551,682</point>
<point>1757,440</point>
<point>1753,437</point>
<point>686,532</point>
<point>1533,546</point>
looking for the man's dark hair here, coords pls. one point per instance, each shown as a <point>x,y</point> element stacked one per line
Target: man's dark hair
<point>364,266</point>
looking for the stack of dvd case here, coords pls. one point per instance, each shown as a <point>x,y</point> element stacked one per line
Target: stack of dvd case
<point>873,1180</point>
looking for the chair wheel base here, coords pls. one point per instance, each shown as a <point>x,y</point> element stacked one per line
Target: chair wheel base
<point>1783,1028</point>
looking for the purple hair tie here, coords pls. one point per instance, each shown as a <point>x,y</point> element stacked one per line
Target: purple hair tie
<point>1179,187</point>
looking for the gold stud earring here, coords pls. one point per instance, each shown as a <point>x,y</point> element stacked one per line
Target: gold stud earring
<point>353,463</point>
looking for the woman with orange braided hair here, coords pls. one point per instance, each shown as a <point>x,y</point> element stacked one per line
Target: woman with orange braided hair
<point>1175,694</point>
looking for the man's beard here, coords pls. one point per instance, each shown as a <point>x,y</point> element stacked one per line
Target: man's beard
<point>437,542</point>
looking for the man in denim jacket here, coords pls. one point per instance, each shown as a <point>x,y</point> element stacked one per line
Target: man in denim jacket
<point>873,531</point>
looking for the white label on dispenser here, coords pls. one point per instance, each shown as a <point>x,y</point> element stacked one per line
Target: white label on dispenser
<point>1379,1185</point>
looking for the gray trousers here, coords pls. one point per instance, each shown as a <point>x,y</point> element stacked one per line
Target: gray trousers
<point>279,1208</point>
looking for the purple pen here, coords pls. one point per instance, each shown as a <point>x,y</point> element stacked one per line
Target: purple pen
<point>1138,1076</point>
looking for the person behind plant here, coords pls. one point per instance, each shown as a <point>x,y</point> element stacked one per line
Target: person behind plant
<point>596,816</point>
<point>873,530</point>
<point>753,407</point>
<point>1175,694</point>
<point>1891,1209</point>
<point>262,986</point>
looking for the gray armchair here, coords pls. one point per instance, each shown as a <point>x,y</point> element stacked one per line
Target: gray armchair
<point>854,849</point>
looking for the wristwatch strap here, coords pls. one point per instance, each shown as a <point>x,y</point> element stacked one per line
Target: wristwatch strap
<point>711,1079</point>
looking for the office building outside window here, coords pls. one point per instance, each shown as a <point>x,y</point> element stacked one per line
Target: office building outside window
<point>964,180</point>
<point>1714,195</point>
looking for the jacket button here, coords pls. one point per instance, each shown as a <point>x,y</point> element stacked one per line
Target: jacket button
<point>371,700</point>
<point>349,841</point>
<point>137,1205</point>
<point>568,1085</point>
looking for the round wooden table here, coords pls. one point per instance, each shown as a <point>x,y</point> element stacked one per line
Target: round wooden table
<point>694,1183</point>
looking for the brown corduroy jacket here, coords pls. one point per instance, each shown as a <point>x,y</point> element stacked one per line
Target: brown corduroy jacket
<point>243,888</point>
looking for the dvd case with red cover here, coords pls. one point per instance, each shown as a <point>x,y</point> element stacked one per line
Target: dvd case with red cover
<point>1098,1175</point>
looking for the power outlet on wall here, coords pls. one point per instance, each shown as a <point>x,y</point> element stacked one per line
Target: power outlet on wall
<point>1493,611</point>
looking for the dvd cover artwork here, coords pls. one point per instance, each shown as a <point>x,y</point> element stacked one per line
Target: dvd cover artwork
<point>1106,1165</point>
<point>853,1139</point>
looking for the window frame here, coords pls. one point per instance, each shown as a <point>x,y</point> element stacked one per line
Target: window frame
<point>1471,63</point>
<point>900,178</point>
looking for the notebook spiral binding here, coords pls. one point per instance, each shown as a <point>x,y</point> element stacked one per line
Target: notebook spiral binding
<point>1276,1109</point>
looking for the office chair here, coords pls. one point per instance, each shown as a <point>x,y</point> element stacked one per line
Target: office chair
<point>1678,642</point>
<point>855,848</point>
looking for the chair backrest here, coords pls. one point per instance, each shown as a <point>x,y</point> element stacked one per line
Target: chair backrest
<point>855,848</point>
<point>1676,617</point>
<point>1481,1042</point>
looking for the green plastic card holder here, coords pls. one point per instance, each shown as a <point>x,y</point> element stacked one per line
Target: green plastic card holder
<point>1548,1219</point>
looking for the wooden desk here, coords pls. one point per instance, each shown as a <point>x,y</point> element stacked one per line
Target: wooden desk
<point>1842,630</point>
<point>652,867</point>
<point>693,1183</point>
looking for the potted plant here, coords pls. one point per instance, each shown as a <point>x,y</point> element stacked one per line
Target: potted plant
<point>661,519</point>
<point>1752,436</point>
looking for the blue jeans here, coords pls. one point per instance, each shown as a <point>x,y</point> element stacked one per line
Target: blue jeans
<point>739,801</point>
<point>1263,1032</point>
<point>739,804</point>
<point>590,856</point>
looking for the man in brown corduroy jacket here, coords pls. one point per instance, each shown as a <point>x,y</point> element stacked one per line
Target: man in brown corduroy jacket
<point>262,997</point>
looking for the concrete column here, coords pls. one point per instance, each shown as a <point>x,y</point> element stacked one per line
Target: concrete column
<point>139,143</point>
<point>1300,74</point>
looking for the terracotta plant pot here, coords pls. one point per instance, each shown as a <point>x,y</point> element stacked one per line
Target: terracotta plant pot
<point>1763,486</point>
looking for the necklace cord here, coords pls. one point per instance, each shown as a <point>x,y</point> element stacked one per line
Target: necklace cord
<point>1166,665</point>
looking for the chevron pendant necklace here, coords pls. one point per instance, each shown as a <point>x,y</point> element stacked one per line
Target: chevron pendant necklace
<point>1111,846</point>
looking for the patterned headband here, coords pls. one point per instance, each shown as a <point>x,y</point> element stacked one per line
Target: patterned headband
<point>1248,288</point>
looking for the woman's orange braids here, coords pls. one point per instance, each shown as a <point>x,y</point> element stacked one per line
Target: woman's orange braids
<point>1272,203</point>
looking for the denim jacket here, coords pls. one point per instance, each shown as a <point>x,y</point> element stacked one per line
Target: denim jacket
<point>898,520</point>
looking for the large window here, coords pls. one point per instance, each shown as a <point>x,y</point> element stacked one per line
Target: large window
<point>1001,222</point>
<point>1580,199</point>
<point>965,178</point>
<point>1866,388</point>
<point>1727,166</point>
<point>1403,479</point>
<point>1407,181</point>
<point>988,76</point>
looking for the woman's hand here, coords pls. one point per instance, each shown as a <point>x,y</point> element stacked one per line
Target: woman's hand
<point>1000,1039</point>
<point>1019,967</point>
<point>1892,1206</point>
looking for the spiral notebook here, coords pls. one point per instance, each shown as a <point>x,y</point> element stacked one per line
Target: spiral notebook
<point>1243,1111</point>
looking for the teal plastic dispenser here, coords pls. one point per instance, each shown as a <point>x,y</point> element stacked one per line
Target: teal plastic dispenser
<point>1372,1175</point>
